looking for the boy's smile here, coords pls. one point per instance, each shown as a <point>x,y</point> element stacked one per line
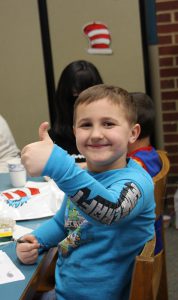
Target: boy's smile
<point>102,134</point>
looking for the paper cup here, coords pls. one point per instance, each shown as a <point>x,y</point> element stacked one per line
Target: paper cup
<point>17,172</point>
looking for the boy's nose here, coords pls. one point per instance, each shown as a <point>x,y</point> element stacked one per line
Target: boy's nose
<point>96,133</point>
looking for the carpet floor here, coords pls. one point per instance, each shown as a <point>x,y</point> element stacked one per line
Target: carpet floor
<point>171,237</point>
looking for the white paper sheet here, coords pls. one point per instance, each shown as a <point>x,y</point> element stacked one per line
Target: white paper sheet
<point>20,231</point>
<point>33,201</point>
<point>8,271</point>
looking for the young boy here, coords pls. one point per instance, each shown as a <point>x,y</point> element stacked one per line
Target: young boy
<point>141,150</point>
<point>108,213</point>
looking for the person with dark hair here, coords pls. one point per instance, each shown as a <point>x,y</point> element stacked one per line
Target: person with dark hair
<point>76,77</point>
<point>141,150</point>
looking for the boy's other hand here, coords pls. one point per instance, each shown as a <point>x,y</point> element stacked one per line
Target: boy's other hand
<point>27,250</point>
<point>34,156</point>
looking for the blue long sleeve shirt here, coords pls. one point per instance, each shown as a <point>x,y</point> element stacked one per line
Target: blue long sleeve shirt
<point>103,223</point>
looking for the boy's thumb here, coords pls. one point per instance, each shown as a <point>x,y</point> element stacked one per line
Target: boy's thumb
<point>43,132</point>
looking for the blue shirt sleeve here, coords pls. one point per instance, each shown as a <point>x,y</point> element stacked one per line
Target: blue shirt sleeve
<point>98,202</point>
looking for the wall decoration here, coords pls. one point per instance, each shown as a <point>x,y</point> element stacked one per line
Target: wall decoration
<point>99,38</point>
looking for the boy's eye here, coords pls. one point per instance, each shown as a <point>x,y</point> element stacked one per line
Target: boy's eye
<point>85,125</point>
<point>108,124</point>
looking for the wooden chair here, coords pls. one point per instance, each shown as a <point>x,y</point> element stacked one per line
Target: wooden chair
<point>160,181</point>
<point>147,273</point>
<point>149,278</point>
<point>47,276</point>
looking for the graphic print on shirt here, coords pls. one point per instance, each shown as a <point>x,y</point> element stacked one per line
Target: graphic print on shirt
<point>74,223</point>
<point>99,209</point>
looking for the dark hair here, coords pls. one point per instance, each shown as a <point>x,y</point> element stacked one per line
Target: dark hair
<point>145,113</point>
<point>76,77</point>
<point>113,94</point>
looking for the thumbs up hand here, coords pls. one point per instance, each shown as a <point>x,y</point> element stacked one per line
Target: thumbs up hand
<point>43,132</point>
<point>35,156</point>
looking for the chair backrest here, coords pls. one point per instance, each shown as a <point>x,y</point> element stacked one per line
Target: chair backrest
<point>147,274</point>
<point>160,183</point>
<point>149,278</point>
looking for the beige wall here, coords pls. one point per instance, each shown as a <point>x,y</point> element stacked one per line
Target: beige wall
<point>23,100</point>
<point>125,66</point>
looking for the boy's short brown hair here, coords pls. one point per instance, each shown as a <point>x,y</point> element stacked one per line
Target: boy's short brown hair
<point>114,94</point>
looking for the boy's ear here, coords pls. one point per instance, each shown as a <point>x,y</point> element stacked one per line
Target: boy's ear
<point>134,133</point>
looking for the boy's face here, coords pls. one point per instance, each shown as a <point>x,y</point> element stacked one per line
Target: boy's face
<point>102,134</point>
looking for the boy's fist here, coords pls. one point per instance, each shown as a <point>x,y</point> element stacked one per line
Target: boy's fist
<point>34,156</point>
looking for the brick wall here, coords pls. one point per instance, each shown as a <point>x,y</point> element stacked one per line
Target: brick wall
<point>167,29</point>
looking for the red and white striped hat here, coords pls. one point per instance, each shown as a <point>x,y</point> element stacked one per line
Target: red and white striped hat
<point>99,38</point>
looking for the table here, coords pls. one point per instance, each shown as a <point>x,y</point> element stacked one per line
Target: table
<point>34,274</point>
